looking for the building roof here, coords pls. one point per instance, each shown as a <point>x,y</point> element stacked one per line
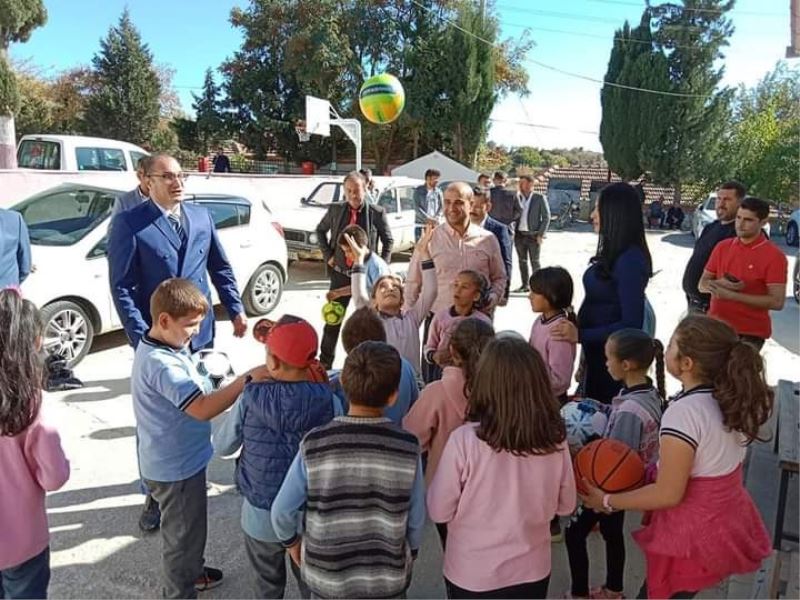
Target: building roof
<point>451,170</point>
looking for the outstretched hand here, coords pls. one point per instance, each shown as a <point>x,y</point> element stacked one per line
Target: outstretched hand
<point>591,496</point>
<point>424,241</point>
<point>360,252</point>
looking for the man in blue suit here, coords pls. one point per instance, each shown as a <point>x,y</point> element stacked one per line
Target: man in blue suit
<point>15,249</point>
<point>160,239</point>
<point>479,215</point>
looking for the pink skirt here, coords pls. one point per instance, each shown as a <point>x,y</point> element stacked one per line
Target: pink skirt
<point>714,532</point>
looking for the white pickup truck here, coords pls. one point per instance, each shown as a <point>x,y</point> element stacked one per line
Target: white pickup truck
<point>77,153</point>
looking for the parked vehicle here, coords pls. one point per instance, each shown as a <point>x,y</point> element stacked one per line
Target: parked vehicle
<point>792,228</point>
<point>396,197</point>
<point>796,280</point>
<point>77,153</point>
<point>68,229</point>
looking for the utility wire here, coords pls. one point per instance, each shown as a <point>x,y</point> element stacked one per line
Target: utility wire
<point>563,71</point>
<point>540,126</point>
<point>705,10</point>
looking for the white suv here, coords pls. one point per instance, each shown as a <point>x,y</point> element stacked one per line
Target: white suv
<point>68,230</point>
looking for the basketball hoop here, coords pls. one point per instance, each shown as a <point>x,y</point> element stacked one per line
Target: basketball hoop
<point>302,134</point>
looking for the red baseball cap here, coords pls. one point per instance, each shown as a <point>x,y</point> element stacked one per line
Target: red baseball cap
<point>293,341</point>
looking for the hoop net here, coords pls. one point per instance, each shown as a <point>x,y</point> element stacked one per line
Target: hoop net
<point>302,134</point>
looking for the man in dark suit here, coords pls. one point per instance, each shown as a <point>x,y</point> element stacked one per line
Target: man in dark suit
<point>479,215</point>
<point>505,204</point>
<point>160,239</point>
<point>529,228</point>
<point>355,211</point>
<point>15,249</point>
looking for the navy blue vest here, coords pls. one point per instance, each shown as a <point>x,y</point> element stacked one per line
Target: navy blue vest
<point>275,417</point>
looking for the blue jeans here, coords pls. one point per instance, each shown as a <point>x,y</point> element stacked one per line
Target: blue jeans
<point>27,580</point>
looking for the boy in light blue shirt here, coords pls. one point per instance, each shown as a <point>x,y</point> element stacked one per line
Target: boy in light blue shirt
<point>173,405</point>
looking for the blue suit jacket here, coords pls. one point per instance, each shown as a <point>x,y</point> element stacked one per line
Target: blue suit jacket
<point>503,235</point>
<point>144,250</point>
<point>15,249</point>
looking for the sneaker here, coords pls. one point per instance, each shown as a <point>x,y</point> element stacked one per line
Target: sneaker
<point>210,579</point>
<point>150,519</point>
<point>604,593</point>
<point>555,531</point>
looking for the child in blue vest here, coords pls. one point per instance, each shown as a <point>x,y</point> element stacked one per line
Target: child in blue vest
<point>267,423</point>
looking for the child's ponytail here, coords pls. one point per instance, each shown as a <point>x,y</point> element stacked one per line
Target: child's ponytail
<point>735,368</point>
<point>467,342</point>
<point>21,365</point>
<point>637,346</point>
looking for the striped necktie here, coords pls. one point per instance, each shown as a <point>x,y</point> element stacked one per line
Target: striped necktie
<point>175,222</point>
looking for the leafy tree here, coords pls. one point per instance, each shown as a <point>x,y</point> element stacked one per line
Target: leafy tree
<point>691,37</point>
<point>526,156</point>
<point>761,147</point>
<point>210,125</point>
<point>186,130</point>
<point>327,48</point>
<point>70,92</point>
<point>125,105</point>
<point>18,18</point>
<point>168,101</point>
<point>35,113</point>
<point>629,133</point>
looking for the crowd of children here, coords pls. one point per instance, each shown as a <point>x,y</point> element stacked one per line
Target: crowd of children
<point>340,470</point>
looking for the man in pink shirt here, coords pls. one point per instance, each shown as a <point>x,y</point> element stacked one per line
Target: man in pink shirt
<point>456,245</point>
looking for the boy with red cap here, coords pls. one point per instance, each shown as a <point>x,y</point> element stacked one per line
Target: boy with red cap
<point>267,423</point>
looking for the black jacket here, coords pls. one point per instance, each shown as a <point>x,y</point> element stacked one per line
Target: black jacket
<point>371,218</point>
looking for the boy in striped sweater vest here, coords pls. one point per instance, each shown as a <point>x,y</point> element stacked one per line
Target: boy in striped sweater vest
<point>359,481</point>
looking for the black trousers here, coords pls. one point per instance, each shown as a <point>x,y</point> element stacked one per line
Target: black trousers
<point>330,333</point>
<point>533,589</point>
<point>754,340</point>
<point>429,371</point>
<point>575,538</point>
<point>527,249</point>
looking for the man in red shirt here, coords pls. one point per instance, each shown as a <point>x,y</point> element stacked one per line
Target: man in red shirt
<point>746,276</point>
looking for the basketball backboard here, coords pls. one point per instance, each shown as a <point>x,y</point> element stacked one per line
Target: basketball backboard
<point>318,116</point>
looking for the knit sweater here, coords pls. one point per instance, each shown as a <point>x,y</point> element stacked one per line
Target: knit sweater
<point>635,420</point>
<point>361,484</point>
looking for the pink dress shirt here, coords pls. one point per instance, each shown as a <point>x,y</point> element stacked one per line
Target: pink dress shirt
<point>440,409</point>
<point>498,508</point>
<point>478,250</point>
<point>31,463</point>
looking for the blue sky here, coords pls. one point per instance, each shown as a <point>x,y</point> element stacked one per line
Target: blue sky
<point>573,35</point>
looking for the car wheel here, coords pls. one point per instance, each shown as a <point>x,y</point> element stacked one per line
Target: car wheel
<point>791,234</point>
<point>264,290</point>
<point>68,331</point>
<point>796,281</point>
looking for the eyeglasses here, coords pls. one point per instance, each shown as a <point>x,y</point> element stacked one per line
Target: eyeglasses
<point>171,177</point>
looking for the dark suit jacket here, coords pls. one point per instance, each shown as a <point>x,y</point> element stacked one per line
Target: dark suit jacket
<point>144,250</point>
<point>15,249</point>
<point>503,235</point>
<point>371,218</point>
<point>505,205</point>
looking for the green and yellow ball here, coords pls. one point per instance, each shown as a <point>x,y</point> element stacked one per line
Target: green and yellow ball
<point>382,98</point>
<point>333,313</point>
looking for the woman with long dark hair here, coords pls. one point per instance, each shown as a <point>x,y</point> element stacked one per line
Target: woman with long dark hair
<point>614,283</point>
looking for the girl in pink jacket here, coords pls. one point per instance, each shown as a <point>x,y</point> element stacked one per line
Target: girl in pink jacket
<point>31,458</point>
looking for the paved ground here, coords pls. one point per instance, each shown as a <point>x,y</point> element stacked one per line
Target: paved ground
<point>98,551</point>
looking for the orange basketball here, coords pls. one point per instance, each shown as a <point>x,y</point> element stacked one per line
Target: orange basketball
<point>610,465</point>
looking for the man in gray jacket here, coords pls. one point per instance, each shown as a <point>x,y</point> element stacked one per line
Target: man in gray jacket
<point>428,202</point>
<point>530,228</point>
<point>141,193</point>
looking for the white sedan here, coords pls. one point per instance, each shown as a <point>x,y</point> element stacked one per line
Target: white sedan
<point>68,229</point>
<point>706,212</point>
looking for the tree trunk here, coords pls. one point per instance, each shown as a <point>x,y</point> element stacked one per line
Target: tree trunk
<point>415,151</point>
<point>8,154</point>
<point>678,191</point>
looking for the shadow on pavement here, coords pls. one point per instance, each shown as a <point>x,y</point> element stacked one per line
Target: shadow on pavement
<point>114,433</point>
<point>112,388</point>
<point>785,325</point>
<point>684,240</point>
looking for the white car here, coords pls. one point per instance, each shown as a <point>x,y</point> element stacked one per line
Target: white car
<point>396,197</point>
<point>68,229</point>
<point>706,212</point>
<point>77,153</point>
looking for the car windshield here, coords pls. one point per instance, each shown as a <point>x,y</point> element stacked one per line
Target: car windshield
<point>64,217</point>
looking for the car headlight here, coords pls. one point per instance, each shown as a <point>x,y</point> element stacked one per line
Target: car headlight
<point>312,238</point>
